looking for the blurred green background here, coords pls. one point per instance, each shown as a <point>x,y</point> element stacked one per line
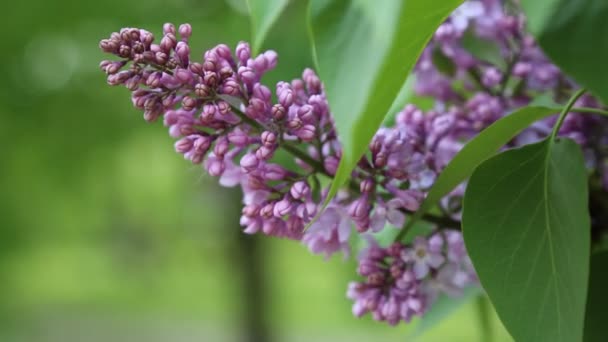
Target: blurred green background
<point>107,235</point>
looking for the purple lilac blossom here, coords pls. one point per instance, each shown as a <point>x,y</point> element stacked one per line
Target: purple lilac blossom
<point>225,119</point>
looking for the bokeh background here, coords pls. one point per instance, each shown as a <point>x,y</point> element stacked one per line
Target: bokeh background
<point>107,235</point>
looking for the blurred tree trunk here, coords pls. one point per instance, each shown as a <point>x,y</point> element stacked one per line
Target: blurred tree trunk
<point>248,262</point>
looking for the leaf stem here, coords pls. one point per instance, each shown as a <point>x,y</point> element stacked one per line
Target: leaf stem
<point>565,111</point>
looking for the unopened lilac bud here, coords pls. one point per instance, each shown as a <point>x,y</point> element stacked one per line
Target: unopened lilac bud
<point>260,64</point>
<point>294,124</point>
<point>215,167</point>
<point>153,81</point>
<point>183,75</point>
<point>285,96</point>
<point>267,211</point>
<point>124,51</point>
<point>249,163</point>
<point>522,69</point>
<point>299,190</point>
<point>251,210</point>
<point>247,75</point>
<point>272,57</point>
<point>151,115</point>
<point>313,83</point>
<point>231,87</point>
<point>133,83</point>
<point>210,78</point>
<point>359,209</point>
<point>306,114</point>
<point>366,186</point>
<point>238,138</point>
<point>306,132</point>
<point>274,172</point>
<point>208,113</point>
<point>278,112</point>
<point>262,92</point>
<point>196,68</point>
<point>221,146</point>
<point>223,51</point>
<point>182,51</point>
<point>167,43</point>
<point>202,90</point>
<point>210,64</point>
<point>243,52</point>
<point>491,77</point>
<point>282,208</point>
<point>223,107</point>
<point>168,28</point>
<point>268,138</point>
<point>264,153</point>
<point>188,103</point>
<point>185,31</point>
<point>202,144</point>
<point>226,72</point>
<point>331,164</point>
<point>109,46</point>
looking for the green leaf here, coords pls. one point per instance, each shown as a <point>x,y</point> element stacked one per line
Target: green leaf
<point>527,229</point>
<point>483,146</point>
<point>264,13</point>
<point>484,50</point>
<point>364,51</point>
<point>597,299</point>
<point>573,35</point>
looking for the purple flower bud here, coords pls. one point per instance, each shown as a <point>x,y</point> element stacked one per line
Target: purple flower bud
<point>331,165</point>
<point>366,186</point>
<point>210,78</point>
<point>168,42</point>
<point>300,190</point>
<point>247,75</point>
<point>185,31</point>
<point>238,138</point>
<point>272,58</point>
<point>274,172</point>
<point>282,208</point>
<point>264,153</point>
<point>153,81</point>
<point>196,68</point>
<point>231,87</point>
<point>262,92</point>
<point>188,103</point>
<point>184,75</point>
<point>182,51</point>
<point>306,133</point>
<point>278,112</point>
<point>243,52</point>
<point>223,51</point>
<point>215,166</point>
<point>168,28</point>
<point>268,138</point>
<point>202,90</point>
<point>221,146</point>
<point>294,124</point>
<point>306,114</point>
<point>249,163</point>
<point>183,145</point>
<point>267,211</point>
<point>223,107</point>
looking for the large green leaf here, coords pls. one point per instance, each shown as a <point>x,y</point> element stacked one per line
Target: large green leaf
<point>527,230</point>
<point>264,13</point>
<point>573,34</point>
<point>597,299</point>
<point>364,51</point>
<point>480,148</point>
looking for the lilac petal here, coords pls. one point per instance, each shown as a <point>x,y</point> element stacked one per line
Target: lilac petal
<point>421,269</point>
<point>435,260</point>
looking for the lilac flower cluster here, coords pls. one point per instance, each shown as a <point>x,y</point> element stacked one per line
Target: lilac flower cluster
<point>225,119</point>
<point>402,281</point>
